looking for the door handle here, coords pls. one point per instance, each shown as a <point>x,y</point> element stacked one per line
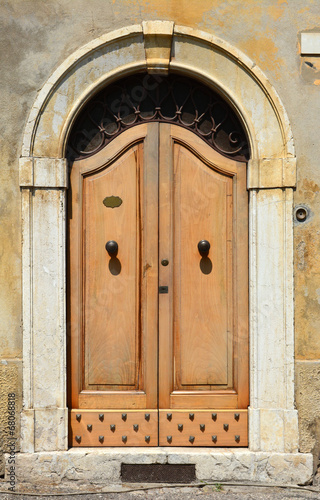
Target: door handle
<point>203,247</point>
<point>112,247</point>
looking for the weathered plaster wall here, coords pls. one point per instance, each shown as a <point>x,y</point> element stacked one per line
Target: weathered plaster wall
<point>37,36</point>
<point>10,382</point>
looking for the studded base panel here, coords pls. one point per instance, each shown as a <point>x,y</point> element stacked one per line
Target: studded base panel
<point>219,428</point>
<point>203,428</point>
<point>113,428</point>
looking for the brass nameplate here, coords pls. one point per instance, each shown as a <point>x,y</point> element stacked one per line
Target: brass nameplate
<point>112,201</point>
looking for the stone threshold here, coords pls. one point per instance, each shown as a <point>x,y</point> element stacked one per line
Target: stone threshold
<point>98,467</point>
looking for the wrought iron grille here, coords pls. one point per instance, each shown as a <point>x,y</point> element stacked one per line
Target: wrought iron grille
<point>144,98</point>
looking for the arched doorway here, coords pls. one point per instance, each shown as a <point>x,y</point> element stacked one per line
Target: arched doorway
<point>158,268</point>
<point>43,177</point>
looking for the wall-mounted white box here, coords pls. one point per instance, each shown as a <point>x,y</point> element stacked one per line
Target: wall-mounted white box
<point>310,43</point>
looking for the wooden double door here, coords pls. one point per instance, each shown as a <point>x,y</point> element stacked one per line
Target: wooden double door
<point>158,321</point>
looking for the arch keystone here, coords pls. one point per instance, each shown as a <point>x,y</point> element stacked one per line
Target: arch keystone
<point>157,43</point>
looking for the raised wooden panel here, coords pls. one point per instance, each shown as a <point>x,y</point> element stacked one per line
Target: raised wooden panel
<point>204,399</point>
<point>203,283</point>
<point>112,283</point>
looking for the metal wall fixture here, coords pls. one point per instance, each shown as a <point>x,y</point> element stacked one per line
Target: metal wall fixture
<point>301,213</point>
<point>158,473</point>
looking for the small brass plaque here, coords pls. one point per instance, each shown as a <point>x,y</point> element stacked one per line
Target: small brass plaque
<point>112,201</point>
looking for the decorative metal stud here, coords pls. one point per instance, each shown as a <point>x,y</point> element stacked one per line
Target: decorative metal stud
<point>191,439</point>
<point>124,439</point>
<point>89,427</point>
<point>226,427</point>
<point>78,416</point>
<point>214,416</point>
<point>78,439</point>
<point>112,428</point>
<point>169,416</point>
<point>124,416</point>
<point>135,427</point>
<point>214,439</point>
<point>180,427</point>
<point>101,439</point>
<point>237,438</point>
<point>202,427</point>
<point>191,416</point>
<point>101,417</point>
<point>147,416</point>
<point>237,416</point>
<point>169,439</point>
<point>147,439</point>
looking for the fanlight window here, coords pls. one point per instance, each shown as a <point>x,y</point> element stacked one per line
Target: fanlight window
<point>145,98</point>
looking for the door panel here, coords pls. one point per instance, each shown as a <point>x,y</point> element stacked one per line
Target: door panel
<point>111,282</point>
<point>203,312</point>
<point>158,329</point>
<point>206,312</point>
<point>113,298</point>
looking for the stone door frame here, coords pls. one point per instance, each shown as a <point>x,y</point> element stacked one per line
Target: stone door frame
<point>158,47</point>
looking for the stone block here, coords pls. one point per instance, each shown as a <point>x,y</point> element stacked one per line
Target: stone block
<point>46,420</point>
<point>157,43</point>
<point>310,43</point>
<point>272,173</point>
<point>94,468</point>
<point>10,382</point>
<point>273,430</point>
<point>27,431</point>
<point>308,404</point>
<point>26,172</point>
<point>50,172</point>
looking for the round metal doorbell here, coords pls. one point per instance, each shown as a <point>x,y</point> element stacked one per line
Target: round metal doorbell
<point>301,213</point>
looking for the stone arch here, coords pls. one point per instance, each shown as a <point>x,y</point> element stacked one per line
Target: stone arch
<point>131,49</point>
<point>158,47</point>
